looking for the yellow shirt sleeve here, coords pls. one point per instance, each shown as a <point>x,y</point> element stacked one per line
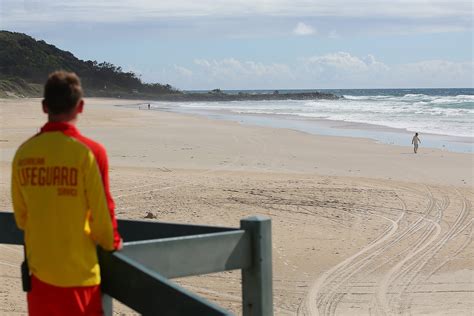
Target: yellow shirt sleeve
<point>99,220</point>
<point>19,205</point>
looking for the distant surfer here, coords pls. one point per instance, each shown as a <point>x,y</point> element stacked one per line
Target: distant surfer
<point>415,141</point>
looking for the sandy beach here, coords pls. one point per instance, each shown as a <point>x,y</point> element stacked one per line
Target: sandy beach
<point>359,228</point>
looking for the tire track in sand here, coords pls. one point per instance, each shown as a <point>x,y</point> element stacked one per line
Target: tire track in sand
<point>310,304</point>
<point>326,303</point>
<point>459,225</point>
<point>397,271</point>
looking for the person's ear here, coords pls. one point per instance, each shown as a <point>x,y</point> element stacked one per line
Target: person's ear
<point>80,106</point>
<point>45,107</point>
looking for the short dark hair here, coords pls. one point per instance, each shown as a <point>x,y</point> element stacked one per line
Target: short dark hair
<point>62,91</point>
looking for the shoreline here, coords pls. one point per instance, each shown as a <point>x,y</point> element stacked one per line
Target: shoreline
<point>254,147</point>
<point>346,145</point>
<point>334,128</point>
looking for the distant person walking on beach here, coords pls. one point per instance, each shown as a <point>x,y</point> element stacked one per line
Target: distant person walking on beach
<point>415,142</point>
<point>148,106</point>
<point>61,200</point>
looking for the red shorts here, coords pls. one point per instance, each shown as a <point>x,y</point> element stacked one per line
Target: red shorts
<point>49,300</point>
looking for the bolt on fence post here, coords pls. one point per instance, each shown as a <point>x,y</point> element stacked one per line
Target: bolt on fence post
<point>257,291</point>
<point>107,305</point>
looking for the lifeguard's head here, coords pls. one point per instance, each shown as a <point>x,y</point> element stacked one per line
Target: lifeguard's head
<point>63,96</point>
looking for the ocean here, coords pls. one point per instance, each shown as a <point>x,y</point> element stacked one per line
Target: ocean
<point>444,117</point>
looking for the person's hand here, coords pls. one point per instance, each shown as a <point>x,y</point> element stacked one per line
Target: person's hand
<point>120,245</point>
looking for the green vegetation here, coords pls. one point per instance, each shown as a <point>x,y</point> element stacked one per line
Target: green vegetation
<point>18,87</point>
<point>25,64</point>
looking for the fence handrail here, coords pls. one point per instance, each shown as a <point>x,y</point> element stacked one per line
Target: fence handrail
<point>193,255</point>
<point>156,251</point>
<point>147,292</point>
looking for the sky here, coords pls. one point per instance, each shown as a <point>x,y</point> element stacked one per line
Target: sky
<point>263,44</point>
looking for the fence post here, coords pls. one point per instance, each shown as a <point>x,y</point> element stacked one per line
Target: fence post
<point>257,292</point>
<point>107,305</point>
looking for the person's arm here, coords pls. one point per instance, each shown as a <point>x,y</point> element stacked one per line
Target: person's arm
<point>19,205</point>
<point>102,231</point>
<point>104,171</point>
<point>419,140</point>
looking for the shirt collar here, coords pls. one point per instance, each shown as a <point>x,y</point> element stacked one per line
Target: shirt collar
<point>64,127</point>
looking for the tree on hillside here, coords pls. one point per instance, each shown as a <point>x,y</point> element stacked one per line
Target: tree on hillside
<point>24,57</point>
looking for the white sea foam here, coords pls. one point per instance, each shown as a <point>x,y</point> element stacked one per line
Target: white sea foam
<point>446,115</point>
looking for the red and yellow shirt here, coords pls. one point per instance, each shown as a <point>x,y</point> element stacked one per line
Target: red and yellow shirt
<point>61,199</point>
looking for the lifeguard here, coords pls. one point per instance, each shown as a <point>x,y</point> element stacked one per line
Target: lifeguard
<point>61,199</point>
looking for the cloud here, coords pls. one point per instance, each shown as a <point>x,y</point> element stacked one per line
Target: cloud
<point>238,18</point>
<point>183,71</point>
<point>434,73</point>
<point>129,10</point>
<point>302,29</point>
<point>333,34</point>
<point>226,73</point>
<point>344,63</point>
<point>344,69</point>
<point>231,68</point>
<point>334,70</point>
